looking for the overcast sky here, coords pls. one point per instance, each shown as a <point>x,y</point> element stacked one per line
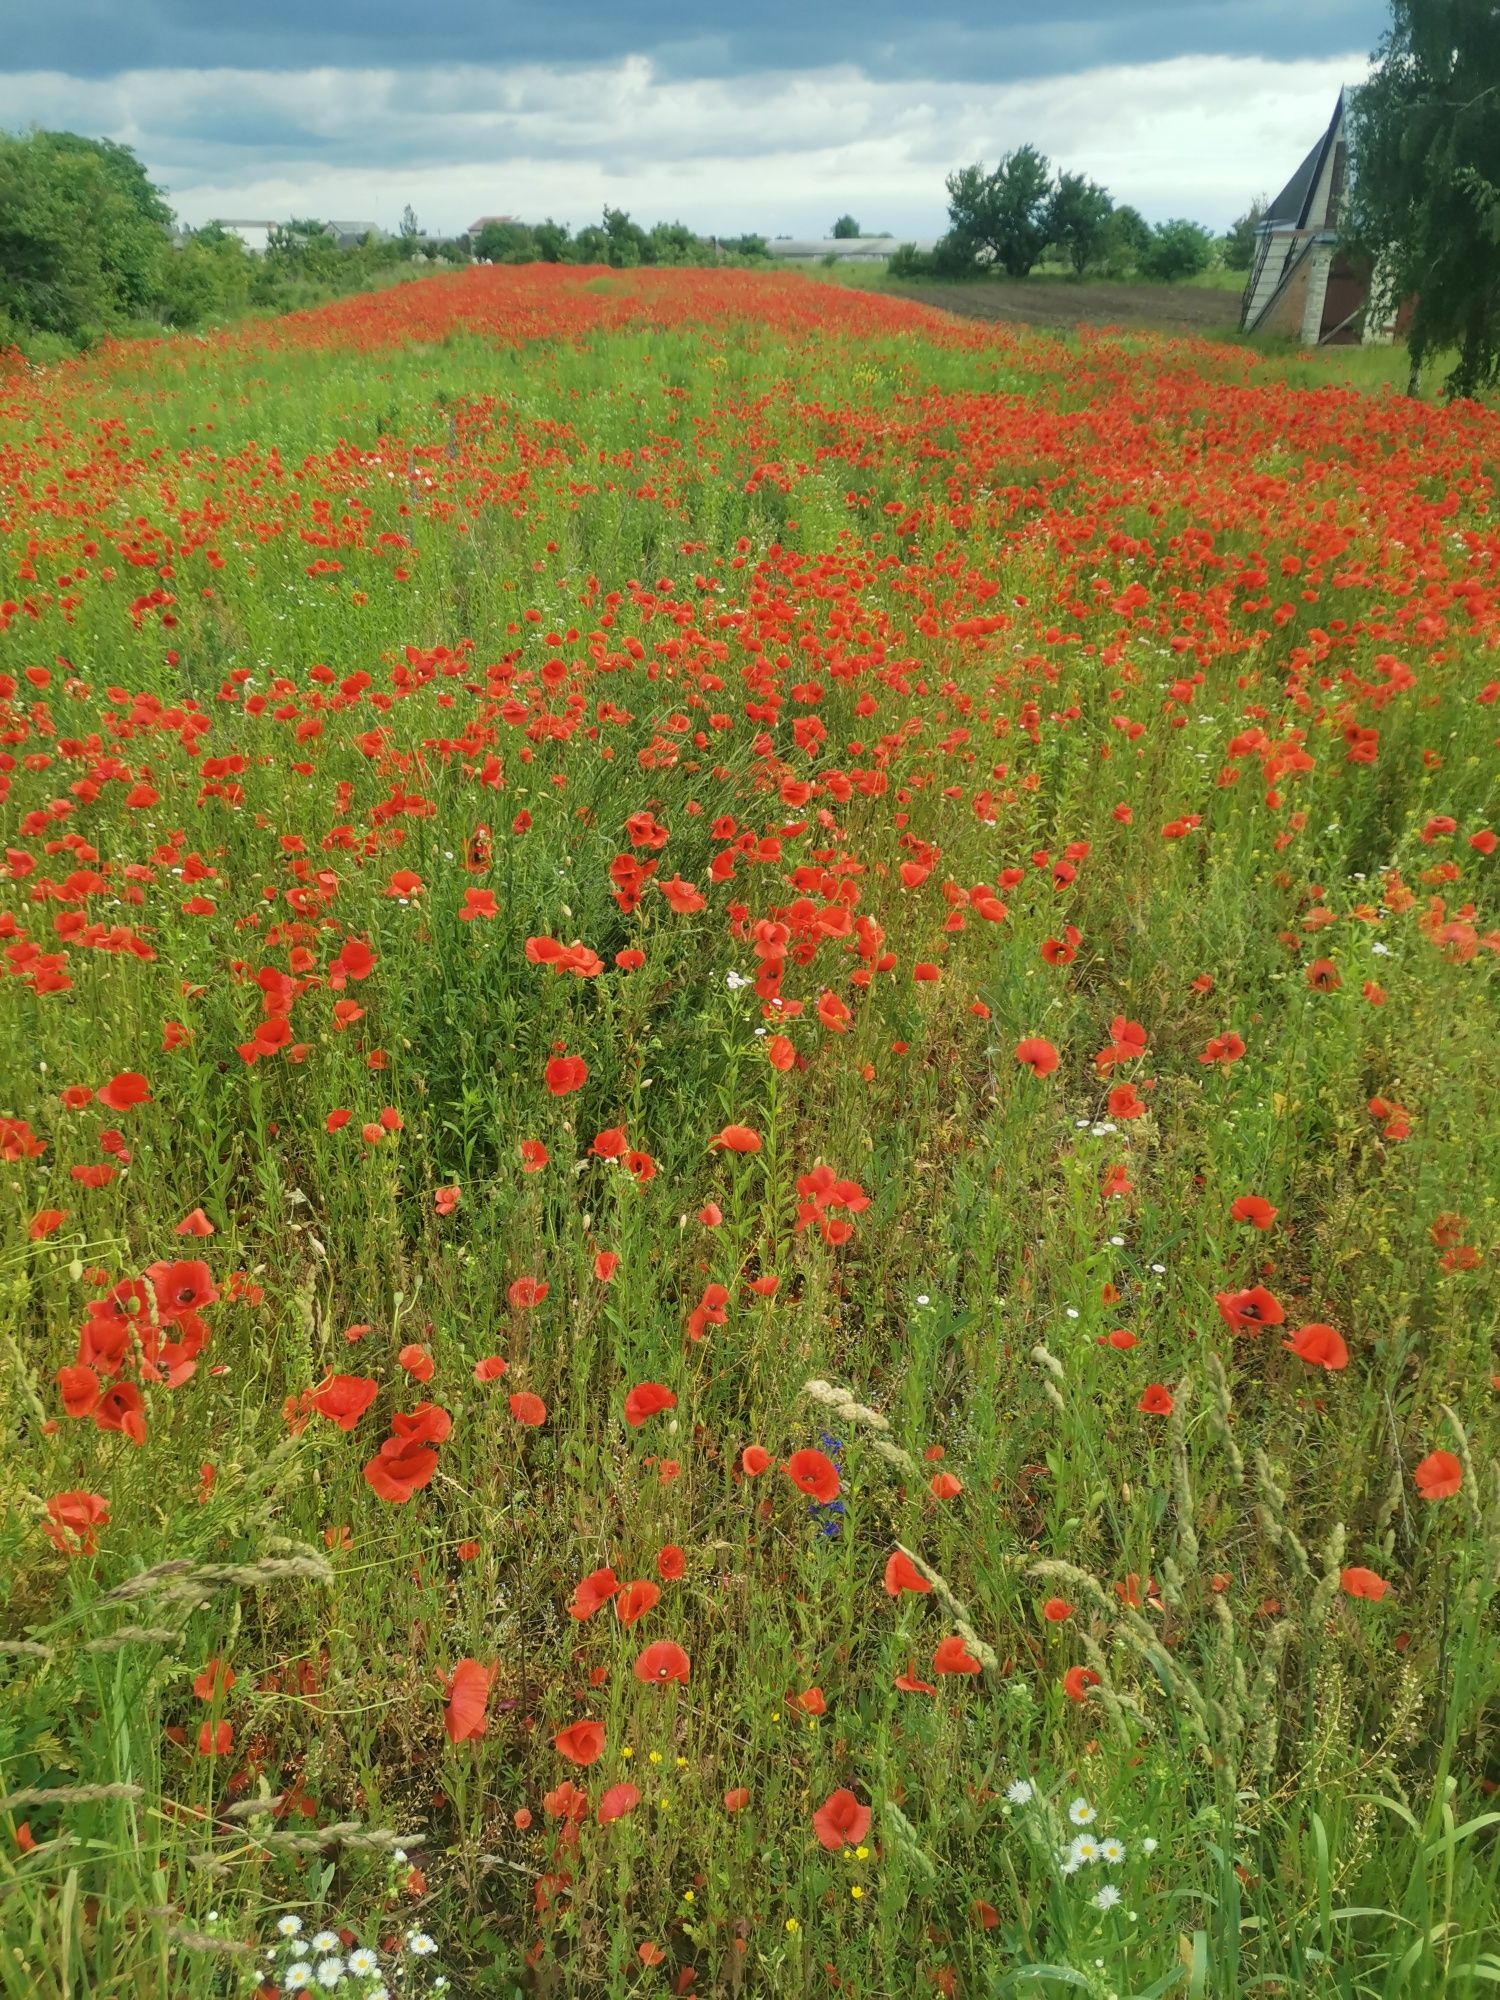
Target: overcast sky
<point>773,115</point>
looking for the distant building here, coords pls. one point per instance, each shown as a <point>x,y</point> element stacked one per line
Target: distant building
<point>843,249</point>
<point>349,235</point>
<point>1302,282</point>
<point>254,235</point>
<point>484,221</point>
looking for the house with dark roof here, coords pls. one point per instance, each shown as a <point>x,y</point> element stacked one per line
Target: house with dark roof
<point>1302,282</point>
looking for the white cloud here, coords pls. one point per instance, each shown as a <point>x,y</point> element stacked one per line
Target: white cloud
<point>777,152</point>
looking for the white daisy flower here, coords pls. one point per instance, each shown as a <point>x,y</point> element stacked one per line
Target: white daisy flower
<point>325,1941</point>
<point>421,1943</point>
<point>1106,1898</point>
<point>1081,1813</point>
<point>1020,1792</point>
<point>1085,1849</point>
<point>330,1972</point>
<point>289,1925</point>
<point>298,1977</point>
<point>1113,1850</point>
<point>362,1962</point>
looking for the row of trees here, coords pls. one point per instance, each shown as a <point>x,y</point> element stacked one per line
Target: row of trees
<point>89,246</point>
<point>1012,216</point>
<point>616,241</point>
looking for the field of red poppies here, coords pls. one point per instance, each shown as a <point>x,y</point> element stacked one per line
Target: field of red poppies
<point>748,1087</point>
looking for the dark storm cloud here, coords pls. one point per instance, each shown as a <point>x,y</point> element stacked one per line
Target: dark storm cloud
<point>960,40</point>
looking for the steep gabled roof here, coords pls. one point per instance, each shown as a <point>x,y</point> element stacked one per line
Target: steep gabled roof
<point>1290,208</point>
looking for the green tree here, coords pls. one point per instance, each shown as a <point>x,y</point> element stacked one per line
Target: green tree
<point>210,277</point>
<point>1237,247</point>
<point>845,227</point>
<point>1126,241</point>
<point>410,229</point>
<point>1001,217</point>
<point>1078,219</point>
<point>506,243</point>
<point>625,241</point>
<point>1176,250</point>
<point>1425,145</point>
<point>553,241</point>
<point>83,235</point>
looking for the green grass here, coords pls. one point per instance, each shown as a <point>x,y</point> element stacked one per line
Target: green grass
<point>880,589</point>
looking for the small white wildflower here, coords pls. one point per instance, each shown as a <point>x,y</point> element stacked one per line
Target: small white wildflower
<point>1082,1813</point>
<point>1118,1242</point>
<point>362,1962</point>
<point>1071,1312</point>
<point>1381,950</point>
<point>325,1941</point>
<point>1113,1850</point>
<point>330,1971</point>
<point>1020,1792</point>
<point>289,1925</point>
<point>1148,1845</point>
<point>1159,1269</point>
<point>399,1853</point>
<point>735,981</point>
<point>1085,1849</point>
<point>923,1299</point>
<point>1106,1898</point>
<point>422,1944</point>
<point>298,1977</point>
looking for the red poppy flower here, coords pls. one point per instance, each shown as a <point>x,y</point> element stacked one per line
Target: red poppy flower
<point>80,1390</point>
<point>196,1224</point>
<point>468,1694</point>
<point>901,1573</point>
<point>215,1739</point>
<point>736,1139</point>
<point>528,1409</point>
<point>216,1679</point>
<point>185,1286</point>
<point>814,1474</point>
<point>1077,1681</point>
<point>1037,1055</point>
<point>581,1742</point>
<point>595,1591</point>
<point>1439,1476</point>
<point>634,1600</point>
<point>841,1821</point>
<point>417,1362</point>
<point>478,903</point>
<point>617,1802</point>
<point>525,1293</point>
<point>1359,1582</point>
<point>662,1661</point>
<point>736,1798</point>
<point>72,1519</point>
<point>754,1460</point>
<point>645,1400</point>
<point>565,1074</point>
<point>953,1657</point>
<point>1156,1401</point>
<point>1254,1209</point>
<point>610,1144</point>
<point>125,1090</point>
<point>446,1199</point>
<point>490,1368</point>
<point>400,1468</point>
<point>670,1562</point>
<point>911,1682</point>
<point>1057,1611</point>
<point>44,1222</point>
<point>534,1156</point>
<point>343,1399</point>
<point>1249,1310</point>
<point>810,1702</point>
<point>945,1486</point>
<point>1319,1346</point>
